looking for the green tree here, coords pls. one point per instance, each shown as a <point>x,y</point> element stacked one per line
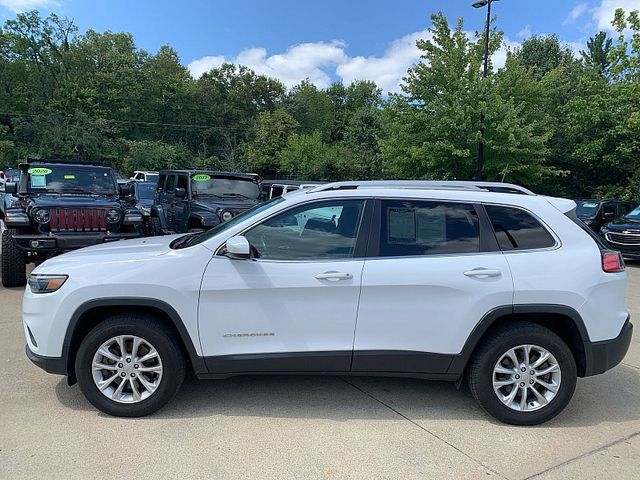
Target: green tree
<point>542,54</point>
<point>597,54</point>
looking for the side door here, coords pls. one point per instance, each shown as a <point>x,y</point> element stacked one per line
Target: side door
<point>169,201</point>
<point>293,307</point>
<point>181,205</point>
<point>432,272</point>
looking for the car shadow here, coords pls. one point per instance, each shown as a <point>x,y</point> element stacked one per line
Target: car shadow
<point>611,397</point>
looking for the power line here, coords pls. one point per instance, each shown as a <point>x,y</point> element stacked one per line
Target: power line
<point>131,122</point>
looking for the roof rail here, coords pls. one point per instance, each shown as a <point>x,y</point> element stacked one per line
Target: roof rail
<point>497,187</point>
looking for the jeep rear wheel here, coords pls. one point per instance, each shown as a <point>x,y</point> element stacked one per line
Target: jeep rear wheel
<point>523,375</point>
<point>14,265</point>
<point>129,366</point>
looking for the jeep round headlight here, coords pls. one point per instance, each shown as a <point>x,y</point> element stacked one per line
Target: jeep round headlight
<point>42,215</point>
<point>113,216</point>
<point>226,215</point>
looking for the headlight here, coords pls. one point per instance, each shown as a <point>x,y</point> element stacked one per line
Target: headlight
<point>113,216</point>
<point>226,215</point>
<point>42,215</point>
<point>46,283</point>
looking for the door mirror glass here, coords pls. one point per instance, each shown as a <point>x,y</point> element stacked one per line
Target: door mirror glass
<point>181,192</point>
<point>126,190</point>
<point>11,188</point>
<point>238,248</point>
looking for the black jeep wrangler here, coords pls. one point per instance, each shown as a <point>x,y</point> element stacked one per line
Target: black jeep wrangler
<point>192,200</point>
<point>62,206</point>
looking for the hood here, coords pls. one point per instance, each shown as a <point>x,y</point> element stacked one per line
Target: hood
<point>71,201</point>
<point>128,251</point>
<point>622,224</point>
<point>213,203</point>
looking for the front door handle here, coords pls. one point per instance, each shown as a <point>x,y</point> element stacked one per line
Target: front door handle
<point>334,276</point>
<point>483,273</point>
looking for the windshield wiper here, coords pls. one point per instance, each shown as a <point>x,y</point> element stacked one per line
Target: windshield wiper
<point>234,195</point>
<point>205,194</point>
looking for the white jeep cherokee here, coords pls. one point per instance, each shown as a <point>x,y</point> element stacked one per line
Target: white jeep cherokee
<point>435,280</point>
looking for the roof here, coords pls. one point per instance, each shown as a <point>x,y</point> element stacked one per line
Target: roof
<point>60,161</point>
<point>213,173</point>
<point>496,187</point>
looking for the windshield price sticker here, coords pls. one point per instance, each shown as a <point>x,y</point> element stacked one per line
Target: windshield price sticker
<point>201,177</point>
<point>69,177</point>
<point>39,171</point>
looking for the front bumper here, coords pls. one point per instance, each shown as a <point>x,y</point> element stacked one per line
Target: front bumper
<point>604,355</point>
<point>56,365</point>
<point>61,242</point>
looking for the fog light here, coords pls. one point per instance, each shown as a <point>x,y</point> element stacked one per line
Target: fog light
<point>34,243</point>
<point>226,215</point>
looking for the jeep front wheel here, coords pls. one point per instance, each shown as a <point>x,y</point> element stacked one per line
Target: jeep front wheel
<point>523,374</point>
<point>14,265</point>
<point>129,366</point>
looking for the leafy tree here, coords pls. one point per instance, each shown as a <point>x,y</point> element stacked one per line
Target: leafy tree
<point>542,54</point>
<point>597,53</point>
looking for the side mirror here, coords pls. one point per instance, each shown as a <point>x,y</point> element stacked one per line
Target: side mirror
<point>181,192</point>
<point>11,188</point>
<point>238,248</point>
<point>608,214</point>
<point>126,190</point>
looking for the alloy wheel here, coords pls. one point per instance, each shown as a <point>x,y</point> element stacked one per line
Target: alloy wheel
<point>526,378</point>
<point>127,369</point>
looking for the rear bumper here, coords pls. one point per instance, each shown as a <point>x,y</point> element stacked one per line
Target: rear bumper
<point>604,355</point>
<point>58,243</point>
<point>56,365</point>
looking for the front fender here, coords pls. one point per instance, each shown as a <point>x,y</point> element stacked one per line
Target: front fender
<point>159,212</point>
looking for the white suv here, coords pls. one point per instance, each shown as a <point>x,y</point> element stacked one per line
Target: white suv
<point>435,280</point>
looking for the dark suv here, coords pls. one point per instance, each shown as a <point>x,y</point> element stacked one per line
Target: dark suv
<point>189,200</point>
<point>623,234</point>
<point>596,213</point>
<point>61,206</point>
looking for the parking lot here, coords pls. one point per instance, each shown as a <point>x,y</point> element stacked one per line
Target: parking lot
<point>310,427</point>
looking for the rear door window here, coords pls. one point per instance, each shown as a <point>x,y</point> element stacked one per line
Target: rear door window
<point>412,228</point>
<point>517,229</point>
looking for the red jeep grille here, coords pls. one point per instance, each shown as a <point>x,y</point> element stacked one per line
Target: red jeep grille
<point>78,219</point>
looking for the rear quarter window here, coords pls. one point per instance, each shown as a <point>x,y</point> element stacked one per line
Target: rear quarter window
<point>517,229</point>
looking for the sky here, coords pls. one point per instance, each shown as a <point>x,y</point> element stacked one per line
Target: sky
<point>323,41</point>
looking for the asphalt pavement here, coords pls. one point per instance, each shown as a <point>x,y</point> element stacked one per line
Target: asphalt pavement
<point>311,427</point>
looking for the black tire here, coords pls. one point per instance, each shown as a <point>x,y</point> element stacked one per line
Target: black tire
<point>14,265</point>
<point>481,371</point>
<point>156,228</point>
<point>152,331</point>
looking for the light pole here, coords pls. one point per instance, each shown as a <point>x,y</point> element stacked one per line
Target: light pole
<point>480,4</point>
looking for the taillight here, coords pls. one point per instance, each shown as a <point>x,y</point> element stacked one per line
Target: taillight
<point>612,262</point>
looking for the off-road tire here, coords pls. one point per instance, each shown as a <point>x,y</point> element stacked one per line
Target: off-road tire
<point>14,265</point>
<point>481,372</point>
<point>156,228</point>
<point>149,329</point>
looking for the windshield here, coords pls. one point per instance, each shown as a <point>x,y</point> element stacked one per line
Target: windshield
<point>196,239</point>
<point>203,184</point>
<point>70,179</point>
<point>146,190</point>
<point>587,209</point>
<point>633,214</point>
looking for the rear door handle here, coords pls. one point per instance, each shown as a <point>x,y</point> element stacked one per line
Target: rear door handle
<point>483,273</point>
<point>334,276</point>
